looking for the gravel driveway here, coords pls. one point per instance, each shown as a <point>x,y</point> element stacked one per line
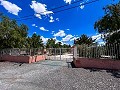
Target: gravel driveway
<point>54,75</point>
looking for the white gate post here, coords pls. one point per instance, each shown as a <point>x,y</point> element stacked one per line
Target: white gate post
<point>75,52</point>
<point>60,53</point>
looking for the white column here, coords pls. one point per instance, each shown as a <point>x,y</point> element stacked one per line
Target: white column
<point>75,52</point>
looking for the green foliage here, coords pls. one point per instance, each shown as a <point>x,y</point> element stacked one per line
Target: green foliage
<point>50,43</point>
<point>109,24</point>
<point>84,39</point>
<point>35,41</point>
<point>12,35</point>
<point>66,46</point>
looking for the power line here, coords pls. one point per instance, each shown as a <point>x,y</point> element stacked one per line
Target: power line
<point>63,9</point>
<point>53,8</point>
<point>59,10</point>
<point>77,6</point>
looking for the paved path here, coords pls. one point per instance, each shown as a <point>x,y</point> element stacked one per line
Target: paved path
<point>54,75</point>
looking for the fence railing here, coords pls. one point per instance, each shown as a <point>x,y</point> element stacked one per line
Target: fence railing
<point>22,51</point>
<point>35,51</point>
<point>111,51</point>
<point>59,53</point>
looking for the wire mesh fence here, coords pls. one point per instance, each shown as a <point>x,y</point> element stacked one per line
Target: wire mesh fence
<point>111,51</point>
<point>22,51</point>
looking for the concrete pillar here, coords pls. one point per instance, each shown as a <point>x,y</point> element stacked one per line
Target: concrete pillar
<point>75,52</point>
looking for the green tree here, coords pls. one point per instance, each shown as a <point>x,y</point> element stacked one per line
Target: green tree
<point>58,45</point>
<point>12,35</point>
<point>51,43</point>
<point>66,46</point>
<point>84,39</point>
<point>35,41</point>
<point>109,26</point>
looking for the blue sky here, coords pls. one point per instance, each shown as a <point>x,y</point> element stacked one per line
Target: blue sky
<point>63,26</point>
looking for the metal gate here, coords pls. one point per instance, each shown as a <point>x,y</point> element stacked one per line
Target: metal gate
<point>59,54</point>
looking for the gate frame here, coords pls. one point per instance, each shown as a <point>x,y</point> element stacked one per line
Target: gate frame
<point>60,53</point>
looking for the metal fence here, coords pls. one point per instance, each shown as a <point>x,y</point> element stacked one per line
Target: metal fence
<point>111,51</point>
<point>50,53</point>
<point>22,51</point>
<point>59,53</point>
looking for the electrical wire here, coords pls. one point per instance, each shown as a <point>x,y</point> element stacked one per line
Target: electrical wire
<point>53,8</point>
<point>61,10</point>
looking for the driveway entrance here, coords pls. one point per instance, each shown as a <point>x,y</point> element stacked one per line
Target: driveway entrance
<point>60,54</point>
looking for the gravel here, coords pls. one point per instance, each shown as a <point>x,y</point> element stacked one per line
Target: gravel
<point>54,75</point>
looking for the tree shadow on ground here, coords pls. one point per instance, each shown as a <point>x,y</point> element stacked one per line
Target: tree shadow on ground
<point>14,63</point>
<point>94,69</point>
<point>114,73</point>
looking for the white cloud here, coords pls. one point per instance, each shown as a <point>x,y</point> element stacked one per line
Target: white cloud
<point>57,19</point>
<point>34,32</point>
<point>44,39</point>
<point>34,25</point>
<point>68,29</point>
<point>68,1</point>
<point>51,19</point>
<point>67,38</point>
<point>12,8</point>
<point>113,32</point>
<point>81,5</point>
<point>43,29</point>
<point>101,43</point>
<point>56,40</point>
<point>38,15</point>
<point>52,32</point>
<point>97,37</point>
<point>74,38</point>
<point>61,33</point>
<point>40,9</point>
